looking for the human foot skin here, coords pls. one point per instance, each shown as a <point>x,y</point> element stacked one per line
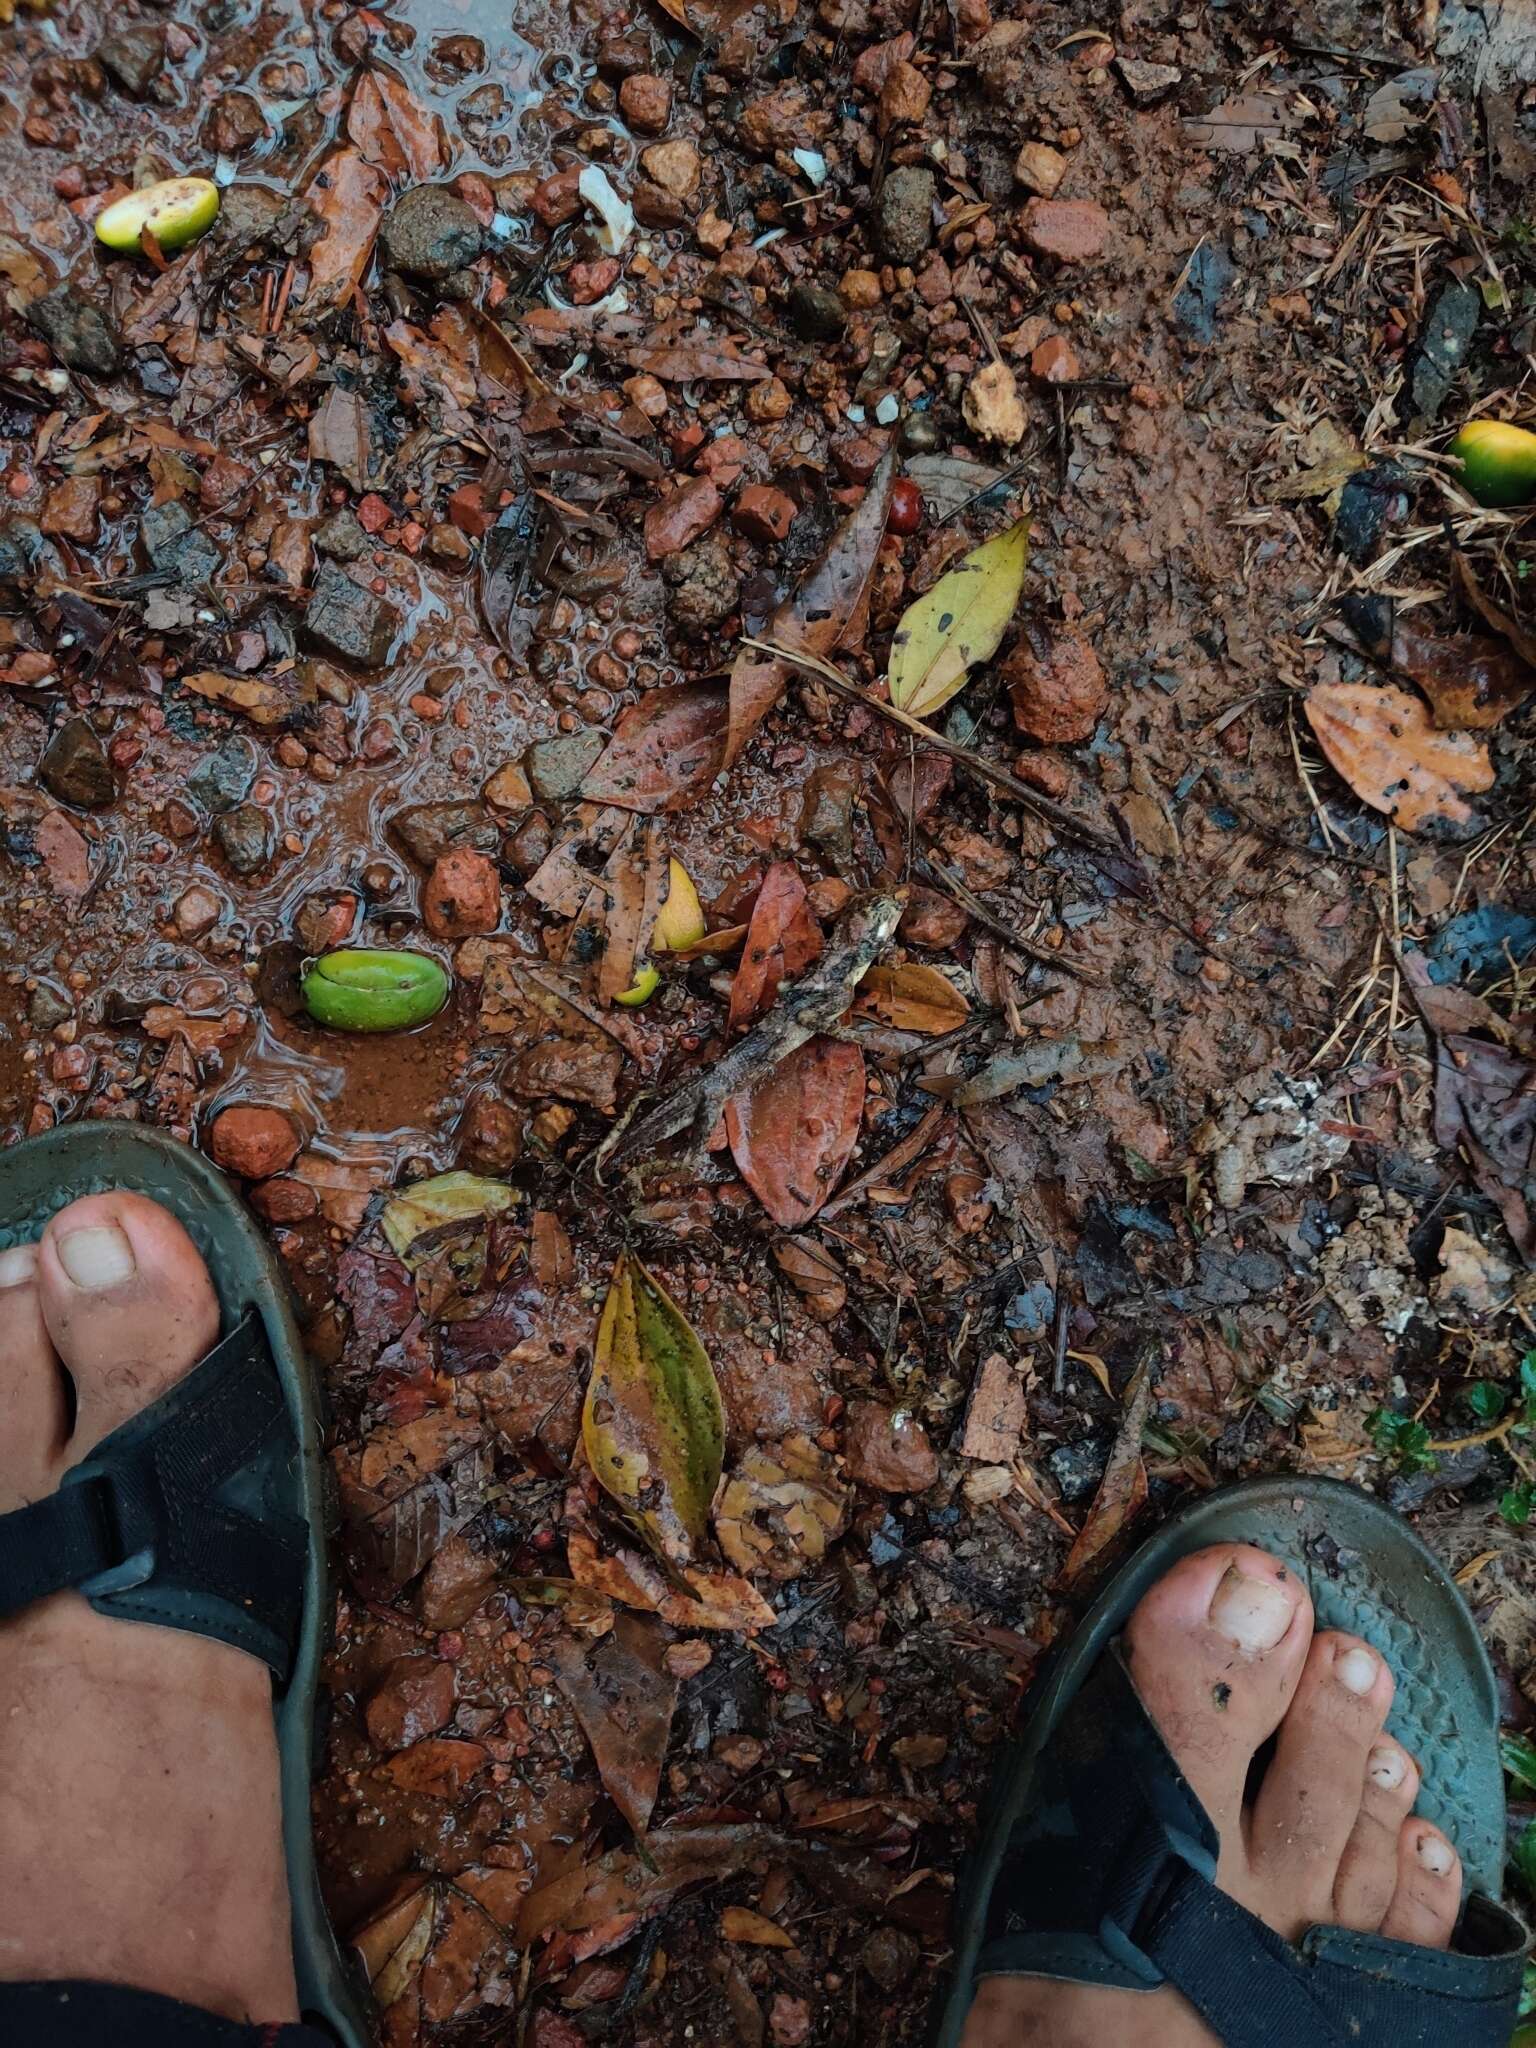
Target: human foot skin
<point>1224,1656</point>
<point>140,1815</point>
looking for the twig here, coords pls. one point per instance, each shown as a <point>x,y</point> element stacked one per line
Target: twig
<point>950,885</point>
<point>1053,814</point>
<point>1059,1363</point>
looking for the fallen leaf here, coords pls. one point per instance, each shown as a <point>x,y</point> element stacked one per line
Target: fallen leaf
<point>665,751</point>
<point>781,1507</point>
<point>348,194</point>
<point>1386,747</point>
<point>624,1698</point>
<point>1485,1104</point>
<point>690,1598</point>
<point>445,1198</point>
<point>339,433</point>
<point>782,941</point>
<point>1122,1491</point>
<point>393,130</point>
<point>740,1923</point>
<point>1470,680</point>
<point>1493,616</point>
<point>264,704</point>
<point>597,1907</point>
<point>690,362</point>
<point>912,997</point>
<point>949,481</point>
<point>820,616</point>
<point>397,1537</point>
<point>1239,124</point>
<point>393,1943</point>
<point>793,1133</point>
<point>811,1268</point>
<point>652,1423</point>
<point>430,371</point>
<point>958,623</point>
<point>706,19</point>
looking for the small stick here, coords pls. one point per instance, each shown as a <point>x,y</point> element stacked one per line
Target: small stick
<point>1059,1364</point>
<point>1053,814</point>
<point>950,884</point>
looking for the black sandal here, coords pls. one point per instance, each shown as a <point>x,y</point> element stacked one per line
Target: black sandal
<point>1097,1862</point>
<point>206,1511</point>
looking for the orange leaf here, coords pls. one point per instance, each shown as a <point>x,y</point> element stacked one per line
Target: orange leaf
<point>348,193</point>
<point>912,997</point>
<point>793,1133</point>
<point>392,130</point>
<point>740,1923</point>
<point>1386,747</point>
<point>782,941</point>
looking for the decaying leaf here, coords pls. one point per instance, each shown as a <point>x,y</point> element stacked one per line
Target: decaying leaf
<point>445,1198</point>
<point>912,997</point>
<point>782,941</point>
<point>1493,616</point>
<point>264,704</point>
<point>811,1268</point>
<point>698,360</point>
<point>1469,679</point>
<point>348,194</point>
<point>949,481</point>
<point>413,1486</point>
<point>958,623</point>
<point>393,130</point>
<point>624,1698</point>
<point>1122,1491</point>
<point>393,1943</point>
<point>653,1425</point>
<point>793,1133</point>
<point>694,1597</point>
<point>1385,745</point>
<point>781,1507</point>
<point>823,614</point>
<point>741,1924</point>
<point>665,751</point>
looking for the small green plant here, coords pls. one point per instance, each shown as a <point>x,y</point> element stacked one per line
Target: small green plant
<point>1518,1753</point>
<point>1403,1438</point>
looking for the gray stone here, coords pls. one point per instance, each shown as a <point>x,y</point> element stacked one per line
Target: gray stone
<point>80,333</point>
<point>24,549</point>
<point>1441,348</point>
<point>427,831</point>
<point>904,214</point>
<point>75,768</point>
<point>244,837</point>
<point>342,537</point>
<point>49,1006</point>
<point>430,232</point>
<point>135,58</point>
<point>1147,83</point>
<point>176,544</point>
<point>221,779</point>
<point>345,620</point>
<point>557,767</point>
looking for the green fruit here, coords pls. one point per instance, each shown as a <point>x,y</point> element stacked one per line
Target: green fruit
<point>356,990</point>
<point>643,988</point>
<point>176,211</point>
<point>1498,462</point>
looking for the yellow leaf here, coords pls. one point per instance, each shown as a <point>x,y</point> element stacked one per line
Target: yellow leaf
<point>445,1198</point>
<point>958,623</point>
<point>913,997</point>
<point>652,1424</point>
<point>740,1923</point>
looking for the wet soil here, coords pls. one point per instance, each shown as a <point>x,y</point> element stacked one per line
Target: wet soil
<point>1001,1285</point>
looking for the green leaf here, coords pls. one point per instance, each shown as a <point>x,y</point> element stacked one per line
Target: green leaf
<point>1518,1503</point>
<point>957,624</point>
<point>1483,1400</point>
<point>1523,1857</point>
<point>445,1198</point>
<point>653,1424</point>
<point>1519,1757</point>
<point>1401,1437</point>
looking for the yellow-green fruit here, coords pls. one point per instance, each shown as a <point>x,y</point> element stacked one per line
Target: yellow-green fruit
<point>1524,2037</point>
<point>680,920</point>
<point>1498,462</point>
<point>645,985</point>
<point>176,211</point>
<point>358,990</point>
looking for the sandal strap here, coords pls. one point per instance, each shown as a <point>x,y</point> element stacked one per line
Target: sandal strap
<point>1110,1879</point>
<point>181,1515</point>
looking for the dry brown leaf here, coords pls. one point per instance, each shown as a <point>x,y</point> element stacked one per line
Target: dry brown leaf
<point>393,130</point>
<point>781,1507</point>
<point>1122,1491</point>
<point>665,751</point>
<point>1385,745</point>
<point>793,1132</point>
<point>782,941</point>
<point>740,1923</point>
<point>811,1268</point>
<point>912,997</point>
<point>624,1699</point>
<point>348,194</point>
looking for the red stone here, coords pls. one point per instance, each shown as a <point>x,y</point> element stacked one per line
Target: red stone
<point>645,101</point>
<point>253,1141</point>
<point>589,282</point>
<point>1054,361</point>
<point>412,1700</point>
<point>680,519</point>
<point>285,1200</point>
<point>557,200</point>
<point>888,1448</point>
<point>763,514</point>
<point>462,896</point>
<point>373,514</point>
<point>1073,230</point>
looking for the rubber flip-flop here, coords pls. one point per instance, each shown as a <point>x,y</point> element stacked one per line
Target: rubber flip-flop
<point>1096,1862</point>
<point>207,1510</point>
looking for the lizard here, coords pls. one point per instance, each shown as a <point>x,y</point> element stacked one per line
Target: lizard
<point>813,1004</point>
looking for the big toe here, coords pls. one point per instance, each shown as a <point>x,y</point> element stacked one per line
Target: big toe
<point>128,1305</point>
<point>1216,1648</point>
<point>33,1409</point>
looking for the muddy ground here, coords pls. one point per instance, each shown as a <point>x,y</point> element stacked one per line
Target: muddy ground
<point>1201,1148</point>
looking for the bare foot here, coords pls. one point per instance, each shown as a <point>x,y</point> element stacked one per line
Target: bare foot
<point>1223,1654</point>
<point>140,1818</point>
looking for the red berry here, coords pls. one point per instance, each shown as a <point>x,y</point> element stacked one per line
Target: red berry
<point>906,514</point>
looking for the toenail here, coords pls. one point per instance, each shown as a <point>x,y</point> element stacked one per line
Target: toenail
<point>100,1256</point>
<point>18,1265</point>
<point>1252,1613</point>
<point>1436,1856</point>
<point>1386,1766</point>
<point>1356,1670</point>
